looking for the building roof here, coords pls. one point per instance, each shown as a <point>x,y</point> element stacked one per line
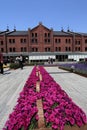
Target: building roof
<point>73,33</point>
<point>61,33</point>
<point>76,33</point>
<point>41,25</point>
<point>3,32</point>
<point>15,33</point>
<point>55,33</point>
<point>84,34</point>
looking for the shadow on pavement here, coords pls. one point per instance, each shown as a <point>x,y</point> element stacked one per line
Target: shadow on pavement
<point>59,72</point>
<point>6,73</point>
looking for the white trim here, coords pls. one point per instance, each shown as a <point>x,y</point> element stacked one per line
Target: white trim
<point>77,57</point>
<point>41,57</point>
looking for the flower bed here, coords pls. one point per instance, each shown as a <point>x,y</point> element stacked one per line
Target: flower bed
<point>25,116</point>
<point>78,68</point>
<point>59,109</point>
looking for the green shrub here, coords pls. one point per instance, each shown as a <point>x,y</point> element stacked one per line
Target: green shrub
<point>14,66</point>
<point>34,63</point>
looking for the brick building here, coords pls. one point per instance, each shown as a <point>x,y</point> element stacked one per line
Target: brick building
<point>40,43</point>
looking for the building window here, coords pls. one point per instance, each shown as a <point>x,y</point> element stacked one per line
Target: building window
<point>35,34</point>
<point>21,49</point>
<point>2,49</point>
<point>56,49</point>
<point>57,40</point>
<point>45,34</point>
<point>77,42</point>
<point>59,48</point>
<point>1,42</point>
<point>34,40</point>
<point>85,40</point>
<point>32,49</point>
<point>10,49</point>
<point>14,49</point>
<point>68,48</point>
<point>45,40</point>
<point>85,48</point>
<point>36,49</point>
<point>25,49</point>
<point>47,49</point>
<point>48,40</point>
<point>23,40</point>
<point>77,48</point>
<point>48,34</point>
<point>68,40</point>
<point>11,40</point>
<point>32,34</point>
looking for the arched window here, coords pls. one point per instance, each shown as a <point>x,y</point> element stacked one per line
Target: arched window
<point>85,40</point>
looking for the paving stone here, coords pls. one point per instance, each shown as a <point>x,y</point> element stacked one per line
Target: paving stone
<point>74,85</point>
<point>12,83</point>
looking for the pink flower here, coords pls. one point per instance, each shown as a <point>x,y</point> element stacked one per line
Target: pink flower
<point>62,127</point>
<point>54,126</point>
<point>79,123</point>
<point>72,121</point>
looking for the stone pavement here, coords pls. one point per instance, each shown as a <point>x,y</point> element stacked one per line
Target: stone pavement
<point>12,83</point>
<point>74,85</point>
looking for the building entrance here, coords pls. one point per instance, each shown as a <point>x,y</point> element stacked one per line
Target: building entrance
<point>61,57</point>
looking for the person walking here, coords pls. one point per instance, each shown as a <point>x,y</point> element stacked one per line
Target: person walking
<point>1,63</point>
<point>21,61</point>
<point>1,67</point>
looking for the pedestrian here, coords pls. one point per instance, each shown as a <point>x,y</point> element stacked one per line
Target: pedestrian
<point>73,68</point>
<point>51,60</point>
<point>21,61</point>
<point>1,67</point>
<point>1,63</point>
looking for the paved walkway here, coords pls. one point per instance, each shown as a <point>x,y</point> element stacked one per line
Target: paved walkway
<point>12,82</point>
<point>74,85</point>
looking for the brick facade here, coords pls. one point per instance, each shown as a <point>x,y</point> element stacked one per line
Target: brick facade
<point>41,39</point>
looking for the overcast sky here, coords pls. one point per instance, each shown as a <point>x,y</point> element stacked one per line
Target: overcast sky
<point>54,14</point>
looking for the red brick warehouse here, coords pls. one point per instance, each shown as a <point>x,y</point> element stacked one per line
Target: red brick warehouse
<point>40,43</point>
